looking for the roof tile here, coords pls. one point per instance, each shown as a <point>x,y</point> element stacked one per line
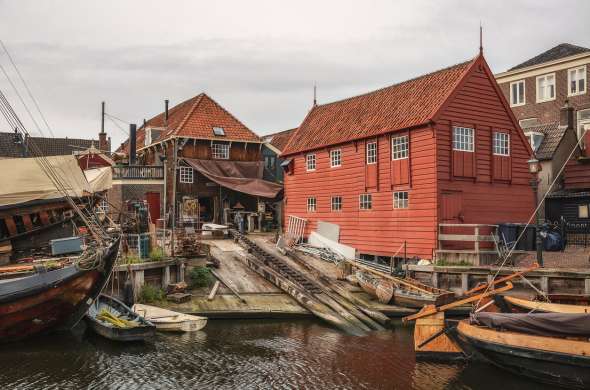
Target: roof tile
<point>560,51</point>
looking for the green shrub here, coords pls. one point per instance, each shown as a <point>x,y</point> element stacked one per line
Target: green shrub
<point>151,294</point>
<point>157,254</point>
<point>199,277</point>
<point>132,259</point>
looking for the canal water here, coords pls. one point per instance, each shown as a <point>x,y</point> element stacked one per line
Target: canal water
<point>246,354</point>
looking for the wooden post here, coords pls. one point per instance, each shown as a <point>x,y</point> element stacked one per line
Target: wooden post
<point>174,178</point>
<point>138,281</point>
<point>434,279</point>
<point>587,286</point>
<point>545,284</point>
<point>464,282</point>
<point>166,277</point>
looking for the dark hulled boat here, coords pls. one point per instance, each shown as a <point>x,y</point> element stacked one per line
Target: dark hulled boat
<point>44,300</point>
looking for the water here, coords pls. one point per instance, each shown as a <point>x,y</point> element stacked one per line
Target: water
<point>247,354</point>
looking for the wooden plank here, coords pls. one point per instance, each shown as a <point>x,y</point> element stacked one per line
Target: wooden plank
<point>213,290</point>
<point>464,237</point>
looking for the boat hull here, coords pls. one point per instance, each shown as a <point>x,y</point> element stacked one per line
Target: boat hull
<point>52,300</point>
<point>170,321</point>
<point>553,367</point>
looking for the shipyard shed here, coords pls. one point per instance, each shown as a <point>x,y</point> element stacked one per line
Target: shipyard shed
<point>394,166</point>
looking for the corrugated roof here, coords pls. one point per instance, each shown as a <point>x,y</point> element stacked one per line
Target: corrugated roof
<point>560,51</point>
<point>553,133</point>
<point>13,146</point>
<point>409,103</point>
<point>279,140</point>
<point>196,118</point>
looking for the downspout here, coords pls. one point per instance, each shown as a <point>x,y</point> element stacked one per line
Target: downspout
<point>175,152</point>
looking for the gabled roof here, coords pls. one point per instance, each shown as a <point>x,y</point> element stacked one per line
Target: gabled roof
<point>553,134</point>
<point>279,140</point>
<point>407,104</point>
<point>555,53</point>
<point>195,118</point>
<point>14,146</point>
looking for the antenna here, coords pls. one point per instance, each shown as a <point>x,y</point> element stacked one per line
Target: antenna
<point>480,38</point>
<point>315,100</point>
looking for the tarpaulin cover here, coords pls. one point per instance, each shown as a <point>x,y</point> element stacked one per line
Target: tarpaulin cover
<point>99,179</point>
<point>23,180</point>
<point>543,324</point>
<point>241,176</point>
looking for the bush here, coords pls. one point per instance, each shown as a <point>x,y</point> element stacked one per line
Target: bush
<point>157,254</point>
<point>151,294</point>
<point>132,259</point>
<point>199,277</point>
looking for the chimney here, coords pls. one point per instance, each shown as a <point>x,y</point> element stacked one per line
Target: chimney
<point>166,111</point>
<point>132,143</point>
<point>102,142</point>
<point>566,115</point>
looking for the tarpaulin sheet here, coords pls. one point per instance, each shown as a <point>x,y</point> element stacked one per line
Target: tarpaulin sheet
<point>99,179</point>
<point>543,324</point>
<point>23,179</point>
<point>241,176</point>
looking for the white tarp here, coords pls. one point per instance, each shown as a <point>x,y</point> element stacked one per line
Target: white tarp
<point>99,179</point>
<point>23,179</point>
<point>345,251</point>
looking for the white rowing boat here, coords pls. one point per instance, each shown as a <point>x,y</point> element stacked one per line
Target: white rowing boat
<point>170,321</point>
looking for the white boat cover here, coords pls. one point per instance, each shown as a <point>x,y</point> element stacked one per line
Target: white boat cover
<point>99,179</point>
<point>23,179</point>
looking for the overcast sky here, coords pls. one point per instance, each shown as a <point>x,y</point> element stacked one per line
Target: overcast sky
<point>258,59</point>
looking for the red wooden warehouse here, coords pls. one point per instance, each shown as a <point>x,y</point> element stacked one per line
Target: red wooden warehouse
<point>391,165</point>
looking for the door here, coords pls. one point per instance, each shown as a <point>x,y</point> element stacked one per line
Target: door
<point>153,200</point>
<point>452,207</point>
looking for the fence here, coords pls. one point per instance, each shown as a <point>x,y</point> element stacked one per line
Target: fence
<point>141,172</point>
<point>577,234</point>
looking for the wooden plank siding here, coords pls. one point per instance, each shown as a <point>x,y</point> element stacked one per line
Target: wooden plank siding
<point>577,174</point>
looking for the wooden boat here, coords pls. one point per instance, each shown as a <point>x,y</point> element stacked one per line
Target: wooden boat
<point>46,299</point>
<point>565,299</point>
<point>418,299</point>
<point>384,291</point>
<point>134,327</point>
<point>367,283</point>
<point>560,361</point>
<point>170,321</point>
<point>526,305</point>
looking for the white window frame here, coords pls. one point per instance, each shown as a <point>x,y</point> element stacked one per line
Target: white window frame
<point>546,76</point>
<point>530,136</point>
<point>569,81</point>
<point>335,158</point>
<point>336,203</point>
<point>371,153</point>
<point>463,139</point>
<point>186,175</point>
<point>365,201</point>
<point>147,139</point>
<point>102,207</point>
<point>312,205</point>
<point>518,103</point>
<point>220,151</point>
<point>310,162</point>
<point>501,143</point>
<point>400,147</point>
<point>401,200</point>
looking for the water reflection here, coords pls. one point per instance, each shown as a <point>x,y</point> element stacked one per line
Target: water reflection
<point>241,355</point>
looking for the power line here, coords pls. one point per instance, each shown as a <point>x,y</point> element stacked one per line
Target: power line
<point>119,119</point>
<point>118,126</point>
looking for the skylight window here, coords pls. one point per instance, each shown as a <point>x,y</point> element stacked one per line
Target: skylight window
<point>218,131</point>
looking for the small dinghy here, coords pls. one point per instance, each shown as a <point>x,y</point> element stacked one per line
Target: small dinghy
<point>113,320</point>
<point>170,321</point>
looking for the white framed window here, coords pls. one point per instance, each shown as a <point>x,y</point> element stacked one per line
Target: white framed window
<point>102,207</point>
<point>372,153</point>
<point>186,175</point>
<point>501,143</point>
<point>335,158</point>
<point>399,147</point>
<point>545,87</point>
<point>220,151</point>
<point>336,203</point>
<point>310,162</point>
<point>365,201</point>
<point>535,139</point>
<point>583,211</point>
<point>463,139</point>
<point>517,93</point>
<point>148,137</point>
<point>583,121</point>
<point>311,205</point>
<point>576,81</point>
<point>401,200</point>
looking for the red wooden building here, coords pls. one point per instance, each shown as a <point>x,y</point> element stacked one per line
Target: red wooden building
<point>390,165</point>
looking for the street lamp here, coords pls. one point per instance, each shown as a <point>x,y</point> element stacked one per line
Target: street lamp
<point>534,169</point>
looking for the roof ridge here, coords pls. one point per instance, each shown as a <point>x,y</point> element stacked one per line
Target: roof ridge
<point>397,84</point>
<point>279,132</point>
<point>232,115</point>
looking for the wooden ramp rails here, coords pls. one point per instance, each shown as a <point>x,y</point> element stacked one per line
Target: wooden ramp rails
<point>310,292</point>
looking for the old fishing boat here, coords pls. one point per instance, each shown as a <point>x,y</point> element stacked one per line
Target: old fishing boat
<point>547,347</point>
<point>112,319</point>
<point>170,321</point>
<point>524,305</point>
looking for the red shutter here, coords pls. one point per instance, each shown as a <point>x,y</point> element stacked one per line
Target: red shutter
<point>502,167</point>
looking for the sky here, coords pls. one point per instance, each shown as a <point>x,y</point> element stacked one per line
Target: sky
<point>258,59</point>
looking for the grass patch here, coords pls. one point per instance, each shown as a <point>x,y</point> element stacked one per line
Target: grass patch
<point>151,294</point>
<point>157,254</point>
<point>199,277</point>
<point>132,259</point>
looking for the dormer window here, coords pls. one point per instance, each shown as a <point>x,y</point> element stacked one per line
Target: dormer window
<point>218,131</point>
<point>151,135</point>
<point>535,139</point>
<point>148,137</point>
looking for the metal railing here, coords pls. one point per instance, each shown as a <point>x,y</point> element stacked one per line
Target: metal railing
<point>141,172</point>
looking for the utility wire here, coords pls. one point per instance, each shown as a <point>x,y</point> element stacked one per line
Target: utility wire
<point>119,119</point>
<point>27,88</point>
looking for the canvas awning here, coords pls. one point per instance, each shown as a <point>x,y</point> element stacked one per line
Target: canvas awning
<point>99,179</point>
<point>241,176</point>
<point>22,179</point>
<point>543,324</point>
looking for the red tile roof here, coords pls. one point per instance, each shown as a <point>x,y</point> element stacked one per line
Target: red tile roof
<point>410,103</point>
<point>196,118</point>
<point>279,140</point>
